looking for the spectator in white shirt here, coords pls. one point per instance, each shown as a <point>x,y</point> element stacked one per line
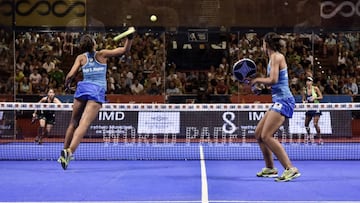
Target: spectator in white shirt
<point>136,87</point>
<point>48,65</point>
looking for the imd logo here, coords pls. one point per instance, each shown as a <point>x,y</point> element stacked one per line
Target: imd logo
<point>111,116</point>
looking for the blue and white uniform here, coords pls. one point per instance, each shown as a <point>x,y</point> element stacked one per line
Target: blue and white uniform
<point>284,101</point>
<point>93,86</point>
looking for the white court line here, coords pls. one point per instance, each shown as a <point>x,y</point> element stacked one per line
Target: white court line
<point>217,201</point>
<point>204,185</point>
<point>282,201</point>
<point>145,201</point>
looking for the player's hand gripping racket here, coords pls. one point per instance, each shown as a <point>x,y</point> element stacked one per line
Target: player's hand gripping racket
<point>68,82</point>
<point>129,31</point>
<point>244,70</point>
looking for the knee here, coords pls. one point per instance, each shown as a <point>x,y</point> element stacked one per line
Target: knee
<point>74,123</point>
<point>265,138</point>
<point>258,136</point>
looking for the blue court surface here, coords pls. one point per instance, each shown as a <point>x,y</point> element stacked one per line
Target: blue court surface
<point>175,181</point>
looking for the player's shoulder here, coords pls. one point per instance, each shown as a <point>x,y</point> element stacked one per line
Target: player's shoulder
<point>81,56</point>
<point>316,87</point>
<point>279,56</point>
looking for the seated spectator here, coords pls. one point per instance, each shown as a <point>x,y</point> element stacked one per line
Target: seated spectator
<point>57,75</point>
<point>25,86</point>
<point>329,45</point>
<point>137,88</point>
<point>44,84</point>
<point>172,89</point>
<point>352,86</point>
<point>35,80</point>
<point>19,75</point>
<point>221,87</point>
<point>331,88</point>
<point>123,87</point>
<point>153,89</point>
<point>48,65</point>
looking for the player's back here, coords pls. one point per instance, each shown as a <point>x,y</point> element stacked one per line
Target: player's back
<point>281,88</point>
<point>94,71</point>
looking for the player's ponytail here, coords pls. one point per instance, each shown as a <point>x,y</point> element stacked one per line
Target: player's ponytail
<point>86,43</point>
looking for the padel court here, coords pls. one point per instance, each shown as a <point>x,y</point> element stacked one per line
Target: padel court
<point>177,180</point>
<point>170,153</point>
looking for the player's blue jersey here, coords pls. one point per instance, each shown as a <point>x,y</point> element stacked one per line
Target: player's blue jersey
<point>281,89</point>
<point>94,71</point>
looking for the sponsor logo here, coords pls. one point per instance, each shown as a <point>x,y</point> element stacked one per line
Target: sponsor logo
<point>347,9</point>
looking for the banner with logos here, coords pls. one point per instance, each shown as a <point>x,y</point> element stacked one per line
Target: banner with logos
<point>339,15</point>
<point>57,13</point>
<point>194,125</point>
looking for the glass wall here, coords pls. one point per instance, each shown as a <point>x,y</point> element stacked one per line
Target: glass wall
<point>186,55</point>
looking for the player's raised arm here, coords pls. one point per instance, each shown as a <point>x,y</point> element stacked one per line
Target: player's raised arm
<point>129,34</point>
<point>106,53</point>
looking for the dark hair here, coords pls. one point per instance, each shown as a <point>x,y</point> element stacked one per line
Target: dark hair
<point>273,41</point>
<point>86,43</point>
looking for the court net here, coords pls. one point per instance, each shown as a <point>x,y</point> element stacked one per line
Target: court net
<point>176,131</point>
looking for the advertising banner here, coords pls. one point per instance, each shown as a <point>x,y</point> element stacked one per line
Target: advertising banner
<point>58,13</point>
<point>195,125</point>
<point>7,124</point>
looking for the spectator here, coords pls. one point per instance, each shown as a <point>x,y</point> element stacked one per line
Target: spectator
<point>221,87</point>
<point>137,88</point>
<point>44,84</point>
<point>25,86</point>
<point>153,89</point>
<point>172,89</point>
<point>57,75</point>
<point>19,75</point>
<point>35,80</point>
<point>331,88</point>
<point>68,46</point>
<point>48,65</point>
<point>330,45</point>
<point>352,86</point>
<point>21,63</point>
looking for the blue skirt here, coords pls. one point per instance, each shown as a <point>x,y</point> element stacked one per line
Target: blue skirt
<point>284,106</point>
<point>90,91</point>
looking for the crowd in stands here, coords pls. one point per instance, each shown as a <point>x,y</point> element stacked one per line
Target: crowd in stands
<point>43,60</point>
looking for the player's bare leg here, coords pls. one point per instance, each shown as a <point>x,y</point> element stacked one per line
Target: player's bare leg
<point>66,154</point>
<point>90,113</point>
<point>269,170</point>
<point>317,127</point>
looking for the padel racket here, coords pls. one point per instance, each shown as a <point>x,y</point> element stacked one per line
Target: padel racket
<point>244,69</point>
<point>129,31</point>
